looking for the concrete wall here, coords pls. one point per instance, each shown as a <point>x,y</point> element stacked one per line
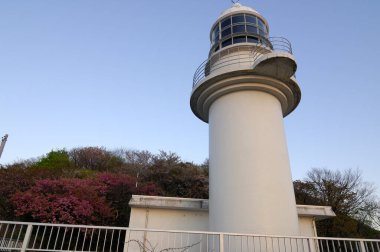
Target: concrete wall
<point>307,226</point>
<point>248,144</point>
<point>151,212</point>
<point>170,219</point>
<point>191,220</point>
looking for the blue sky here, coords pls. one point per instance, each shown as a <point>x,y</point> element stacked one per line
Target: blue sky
<point>119,74</point>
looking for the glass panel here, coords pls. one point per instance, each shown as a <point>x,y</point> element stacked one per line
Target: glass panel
<point>238,28</point>
<point>250,19</point>
<point>216,48</point>
<point>226,32</point>
<point>216,39</point>
<point>215,32</point>
<point>252,29</point>
<point>240,39</point>
<point>226,22</point>
<point>261,24</point>
<point>262,33</point>
<point>252,40</point>
<point>238,19</point>
<point>227,42</point>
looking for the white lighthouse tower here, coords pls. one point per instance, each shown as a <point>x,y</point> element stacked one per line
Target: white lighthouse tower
<point>243,91</point>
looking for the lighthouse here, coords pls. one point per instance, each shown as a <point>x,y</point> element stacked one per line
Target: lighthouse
<point>243,91</point>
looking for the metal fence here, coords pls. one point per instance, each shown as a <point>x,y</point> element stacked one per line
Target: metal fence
<point>214,63</point>
<point>22,236</point>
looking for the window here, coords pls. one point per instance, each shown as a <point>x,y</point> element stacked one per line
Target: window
<point>250,19</point>
<point>238,28</point>
<point>238,19</point>
<point>226,32</point>
<point>216,38</point>
<point>252,29</point>
<point>239,39</point>
<point>227,42</point>
<point>261,24</point>
<point>215,34</point>
<point>226,22</point>
<point>262,33</point>
<point>252,39</point>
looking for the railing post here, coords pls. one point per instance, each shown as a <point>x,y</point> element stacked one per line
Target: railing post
<point>127,240</point>
<point>362,246</point>
<point>28,233</point>
<point>221,242</point>
<point>311,244</point>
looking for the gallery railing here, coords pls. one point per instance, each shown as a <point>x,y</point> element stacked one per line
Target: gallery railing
<point>231,57</point>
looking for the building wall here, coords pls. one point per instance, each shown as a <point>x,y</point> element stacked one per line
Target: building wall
<point>193,220</point>
<point>307,226</point>
<point>169,219</point>
<point>171,213</point>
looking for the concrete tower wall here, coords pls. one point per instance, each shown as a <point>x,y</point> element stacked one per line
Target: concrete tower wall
<point>250,180</point>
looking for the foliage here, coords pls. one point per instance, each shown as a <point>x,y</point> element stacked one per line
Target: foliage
<point>58,159</point>
<point>351,199</point>
<point>12,180</point>
<point>92,185</point>
<point>118,190</point>
<point>73,201</point>
<point>55,164</point>
<point>176,178</point>
<point>94,158</point>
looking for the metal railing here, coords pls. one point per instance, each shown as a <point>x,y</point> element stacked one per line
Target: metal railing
<point>22,236</point>
<point>214,63</point>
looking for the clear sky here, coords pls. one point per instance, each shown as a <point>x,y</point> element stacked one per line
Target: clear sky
<point>119,74</point>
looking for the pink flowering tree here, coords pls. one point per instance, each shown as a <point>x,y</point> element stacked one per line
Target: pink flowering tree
<point>118,189</point>
<point>72,201</point>
<point>101,200</point>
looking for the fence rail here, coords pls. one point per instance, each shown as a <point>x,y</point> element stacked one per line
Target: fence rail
<point>23,236</point>
<point>263,46</point>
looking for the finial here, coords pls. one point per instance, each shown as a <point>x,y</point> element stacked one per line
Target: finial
<point>235,1</point>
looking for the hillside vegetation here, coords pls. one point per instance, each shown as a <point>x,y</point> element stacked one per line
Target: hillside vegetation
<point>93,185</point>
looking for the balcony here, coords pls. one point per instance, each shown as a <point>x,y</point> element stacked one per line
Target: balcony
<point>241,56</point>
<point>24,236</point>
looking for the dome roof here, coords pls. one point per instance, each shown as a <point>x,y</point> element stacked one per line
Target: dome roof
<point>238,8</point>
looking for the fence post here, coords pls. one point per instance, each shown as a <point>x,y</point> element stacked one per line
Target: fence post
<point>311,244</point>
<point>362,246</point>
<point>28,233</point>
<point>221,242</point>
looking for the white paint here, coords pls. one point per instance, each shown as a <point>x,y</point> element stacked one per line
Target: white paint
<point>171,213</point>
<point>170,219</point>
<point>251,187</point>
<point>306,226</point>
<point>155,212</point>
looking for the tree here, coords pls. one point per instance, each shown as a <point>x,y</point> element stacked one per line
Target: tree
<point>118,190</point>
<point>53,165</point>
<point>352,200</point>
<point>55,159</point>
<point>137,162</point>
<point>94,158</point>
<point>176,178</point>
<point>73,201</point>
<point>12,179</point>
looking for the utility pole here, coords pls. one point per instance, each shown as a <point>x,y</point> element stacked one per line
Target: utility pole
<point>3,141</point>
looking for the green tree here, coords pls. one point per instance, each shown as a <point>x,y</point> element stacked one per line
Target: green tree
<point>53,165</point>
